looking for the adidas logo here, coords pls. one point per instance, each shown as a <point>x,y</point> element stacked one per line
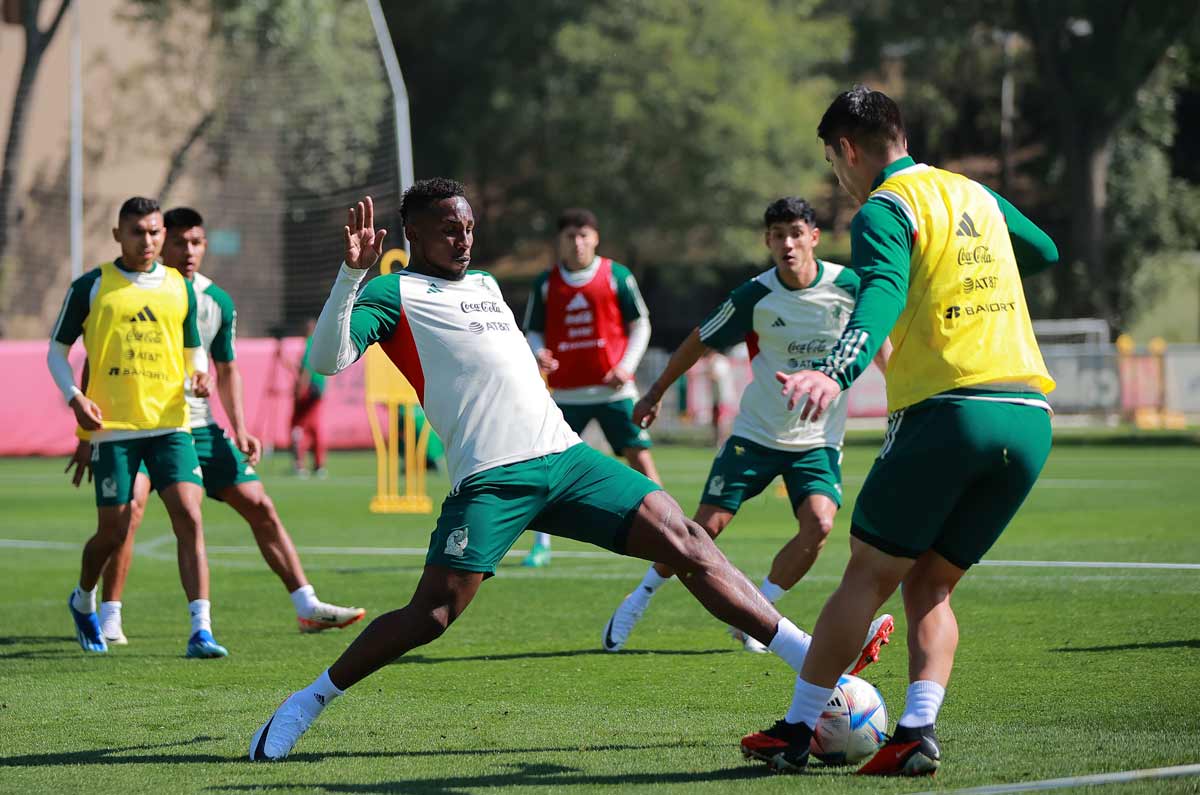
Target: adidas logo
<point>433,288</point>
<point>577,303</point>
<point>144,315</point>
<point>778,323</point>
<point>966,227</point>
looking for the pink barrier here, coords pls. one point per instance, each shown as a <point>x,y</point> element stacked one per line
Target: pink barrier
<point>35,421</point>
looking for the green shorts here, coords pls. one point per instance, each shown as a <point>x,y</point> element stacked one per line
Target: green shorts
<point>221,462</point>
<point>578,493</point>
<point>950,476</point>
<point>169,458</point>
<point>616,420</point>
<point>742,469</point>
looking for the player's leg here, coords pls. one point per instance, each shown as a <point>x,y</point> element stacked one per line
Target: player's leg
<point>479,522</point>
<point>114,467</point>
<point>299,442</point>
<point>1009,444</point>
<point>317,434</point>
<point>441,596</point>
<point>251,501</point>
<point>116,571</point>
<point>629,612</point>
<point>176,474</point>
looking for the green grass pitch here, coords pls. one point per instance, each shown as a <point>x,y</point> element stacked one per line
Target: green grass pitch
<point>1060,672</point>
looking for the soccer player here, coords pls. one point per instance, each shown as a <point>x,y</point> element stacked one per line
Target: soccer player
<point>139,325</point>
<point>941,259</point>
<point>588,326</point>
<point>227,464</point>
<point>513,460</point>
<point>306,412</point>
<point>789,316</point>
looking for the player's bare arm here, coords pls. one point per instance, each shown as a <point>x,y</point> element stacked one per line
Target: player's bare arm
<point>546,361</point>
<point>884,355</point>
<point>364,244</point>
<point>229,387</point>
<point>645,412</point>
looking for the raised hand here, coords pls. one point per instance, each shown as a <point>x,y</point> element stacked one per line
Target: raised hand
<point>364,245</point>
<point>817,390</point>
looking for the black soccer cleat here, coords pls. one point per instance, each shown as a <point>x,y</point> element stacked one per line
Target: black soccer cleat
<point>784,746</point>
<point>912,751</point>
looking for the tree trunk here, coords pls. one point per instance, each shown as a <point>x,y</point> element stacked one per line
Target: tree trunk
<point>179,158</point>
<point>1080,281</point>
<point>14,147</point>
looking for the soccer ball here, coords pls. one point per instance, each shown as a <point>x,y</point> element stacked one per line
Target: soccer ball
<point>853,724</point>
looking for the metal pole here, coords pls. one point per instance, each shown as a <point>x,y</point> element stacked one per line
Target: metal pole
<point>399,100</point>
<point>76,115</point>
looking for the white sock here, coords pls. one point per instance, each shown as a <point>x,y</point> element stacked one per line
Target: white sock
<point>305,600</point>
<point>83,601</point>
<point>653,581</point>
<point>790,644</point>
<point>317,696</point>
<point>808,701</point>
<point>772,591</point>
<point>200,610</point>
<point>542,539</point>
<point>921,703</point>
<point>110,614</point>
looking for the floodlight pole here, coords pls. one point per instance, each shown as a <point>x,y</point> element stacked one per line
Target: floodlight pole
<point>399,100</point>
<point>76,134</point>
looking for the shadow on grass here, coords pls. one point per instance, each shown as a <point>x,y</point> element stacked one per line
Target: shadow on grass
<point>34,640</point>
<point>517,775</point>
<point>420,659</point>
<point>1164,644</point>
<point>117,756</point>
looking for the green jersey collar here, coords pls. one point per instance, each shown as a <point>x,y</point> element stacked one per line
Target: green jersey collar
<point>816,279</point>
<point>892,168</point>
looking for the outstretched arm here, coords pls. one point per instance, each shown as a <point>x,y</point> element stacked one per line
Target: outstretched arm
<point>686,355</point>
<point>348,326</point>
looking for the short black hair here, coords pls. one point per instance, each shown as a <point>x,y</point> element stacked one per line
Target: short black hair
<point>137,207</point>
<point>182,218</point>
<point>870,119</point>
<point>577,216</point>
<point>425,193</point>
<point>788,209</point>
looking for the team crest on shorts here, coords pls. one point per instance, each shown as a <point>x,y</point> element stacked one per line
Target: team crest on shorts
<point>716,485</point>
<point>109,487</point>
<point>456,542</point>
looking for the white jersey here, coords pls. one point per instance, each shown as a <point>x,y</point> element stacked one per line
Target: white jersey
<point>460,347</point>
<point>217,319</point>
<point>785,330</point>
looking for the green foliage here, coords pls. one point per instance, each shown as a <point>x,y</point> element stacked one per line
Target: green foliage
<point>675,124</point>
<point>302,75</point>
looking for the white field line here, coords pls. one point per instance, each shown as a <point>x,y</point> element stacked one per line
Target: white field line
<point>150,546</point>
<point>1123,777</point>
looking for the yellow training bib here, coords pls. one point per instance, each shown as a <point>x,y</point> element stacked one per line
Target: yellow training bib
<point>134,341</point>
<point>965,321</point>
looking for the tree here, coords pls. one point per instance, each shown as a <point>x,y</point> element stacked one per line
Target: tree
<point>1094,58</point>
<point>36,42</point>
<point>1088,73</point>
<point>676,121</point>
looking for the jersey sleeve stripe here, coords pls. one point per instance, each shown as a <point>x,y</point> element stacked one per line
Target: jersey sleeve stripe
<point>898,200</point>
<point>718,321</point>
<point>62,313</point>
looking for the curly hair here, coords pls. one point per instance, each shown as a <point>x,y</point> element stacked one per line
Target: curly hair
<point>427,192</point>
